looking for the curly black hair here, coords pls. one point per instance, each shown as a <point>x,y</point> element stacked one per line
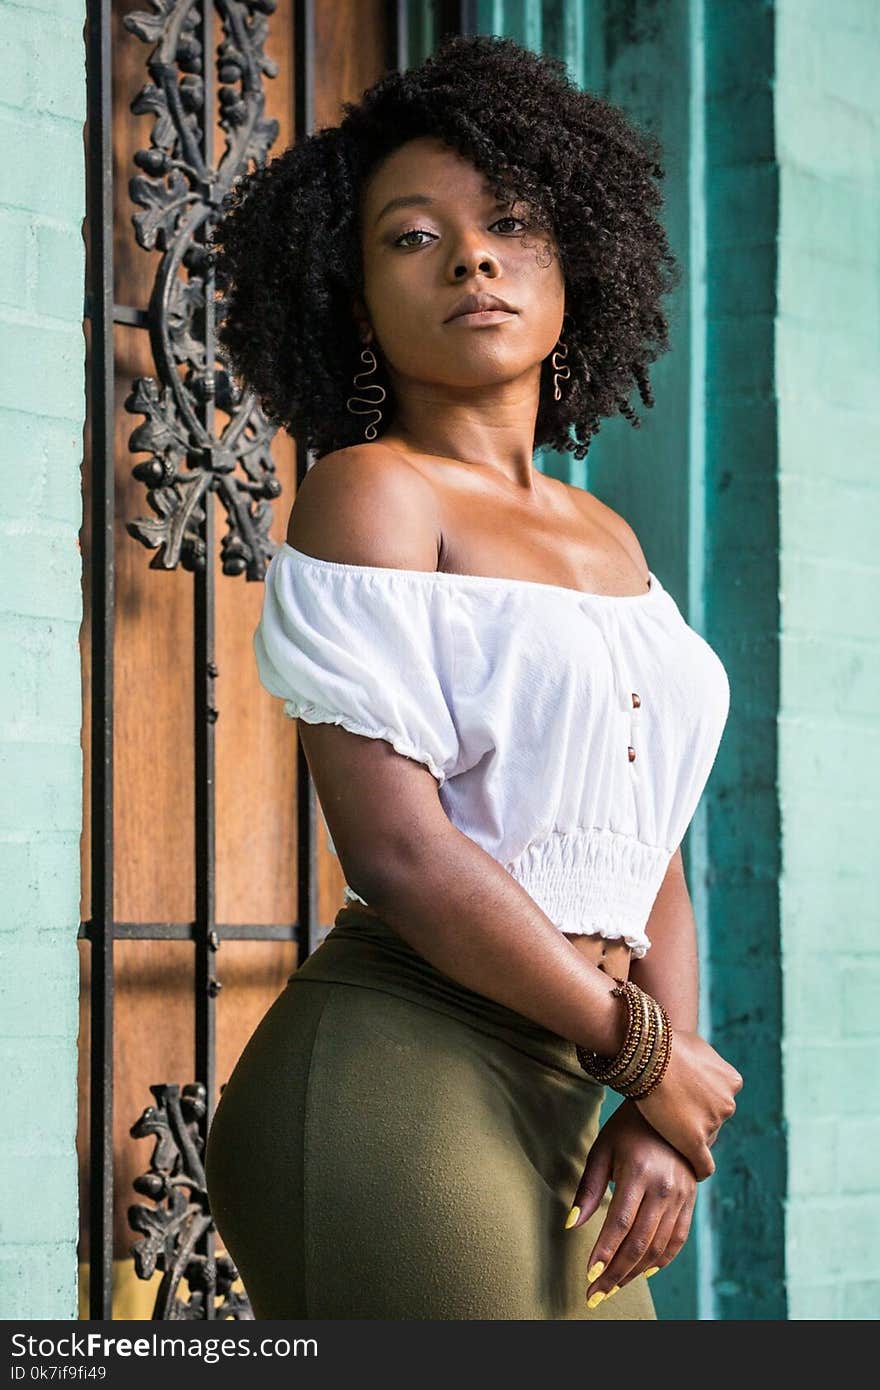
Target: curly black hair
<point>287,245</point>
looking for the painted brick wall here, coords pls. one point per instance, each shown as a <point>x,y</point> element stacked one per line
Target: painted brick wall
<point>828,366</point>
<point>42,406</point>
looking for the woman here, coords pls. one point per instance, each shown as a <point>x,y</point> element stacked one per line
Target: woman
<point>413,1129</point>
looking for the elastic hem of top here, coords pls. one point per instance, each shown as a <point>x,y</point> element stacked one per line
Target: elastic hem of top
<point>317,714</point>
<point>609,928</point>
<point>590,879</point>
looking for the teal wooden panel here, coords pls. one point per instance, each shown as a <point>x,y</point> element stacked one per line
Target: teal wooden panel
<point>734,585</point>
<point>421,31</point>
<point>516,19</point>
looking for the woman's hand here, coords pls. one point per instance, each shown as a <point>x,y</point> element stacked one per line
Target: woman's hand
<point>649,1216</point>
<point>693,1100</point>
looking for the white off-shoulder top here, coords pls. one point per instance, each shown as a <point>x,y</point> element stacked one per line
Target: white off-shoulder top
<point>571,734</point>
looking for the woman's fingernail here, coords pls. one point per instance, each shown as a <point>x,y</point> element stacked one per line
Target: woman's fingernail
<point>654,1270</point>
<point>572,1217</point>
<point>616,1289</point>
<point>595,1271</point>
<point>595,1300</point>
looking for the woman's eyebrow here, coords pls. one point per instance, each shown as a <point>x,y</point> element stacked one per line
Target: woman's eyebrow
<point>408,200</point>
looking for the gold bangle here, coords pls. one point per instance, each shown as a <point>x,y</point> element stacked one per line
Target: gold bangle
<point>644,1052</point>
<point>641,1063</point>
<point>659,1070</point>
<point>633,1043</point>
<point>643,1048</point>
<point>635,1079</point>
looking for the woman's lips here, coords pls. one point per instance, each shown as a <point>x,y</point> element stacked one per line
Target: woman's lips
<point>482,316</point>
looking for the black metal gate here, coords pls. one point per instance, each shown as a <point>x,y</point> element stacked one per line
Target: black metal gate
<point>206,64</point>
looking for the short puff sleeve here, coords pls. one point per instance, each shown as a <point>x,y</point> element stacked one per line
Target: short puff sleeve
<point>366,647</point>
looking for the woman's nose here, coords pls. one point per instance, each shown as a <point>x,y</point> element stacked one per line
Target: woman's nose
<point>475,255</point>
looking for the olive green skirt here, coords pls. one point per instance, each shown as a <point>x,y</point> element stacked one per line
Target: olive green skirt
<point>393,1145</point>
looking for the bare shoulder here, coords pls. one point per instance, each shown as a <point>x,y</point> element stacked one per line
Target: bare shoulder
<point>601,514</point>
<point>366,505</point>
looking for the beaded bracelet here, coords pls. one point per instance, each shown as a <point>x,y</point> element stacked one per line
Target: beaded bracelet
<point>654,1052</point>
<point>609,1070</point>
<point>658,1071</point>
<point>640,1065</point>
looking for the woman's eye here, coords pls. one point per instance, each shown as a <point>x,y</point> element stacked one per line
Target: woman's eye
<point>420,231</point>
<point>414,231</point>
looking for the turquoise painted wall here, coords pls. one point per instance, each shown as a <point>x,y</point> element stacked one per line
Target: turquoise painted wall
<point>827,370</point>
<point>42,408</point>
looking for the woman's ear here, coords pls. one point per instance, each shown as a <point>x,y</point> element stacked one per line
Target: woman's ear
<point>362,320</point>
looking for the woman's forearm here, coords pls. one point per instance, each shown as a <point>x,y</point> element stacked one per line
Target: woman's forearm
<point>466,915</point>
<point>670,970</point>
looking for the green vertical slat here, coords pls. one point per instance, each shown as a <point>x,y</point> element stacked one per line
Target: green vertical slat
<point>740,597</point>
<point>420,31</point>
<point>489,17</point>
<point>513,19</point>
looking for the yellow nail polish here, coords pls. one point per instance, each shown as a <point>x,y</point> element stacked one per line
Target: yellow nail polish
<point>572,1217</point>
<point>595,1300</point>
<point>654,1270</point>
<point>595,1271</point>
<point>616,1289</point>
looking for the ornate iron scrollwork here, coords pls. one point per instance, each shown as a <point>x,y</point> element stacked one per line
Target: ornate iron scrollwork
<point>180,193</point>
<point>172,1231</point>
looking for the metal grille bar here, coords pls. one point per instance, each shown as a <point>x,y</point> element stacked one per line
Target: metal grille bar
<point>100,195</point>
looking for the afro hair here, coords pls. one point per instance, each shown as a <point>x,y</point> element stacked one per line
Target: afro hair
<point>287,243</point>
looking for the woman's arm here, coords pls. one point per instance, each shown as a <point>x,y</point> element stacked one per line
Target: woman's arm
<point>670,970</point>
<point>444,895</point>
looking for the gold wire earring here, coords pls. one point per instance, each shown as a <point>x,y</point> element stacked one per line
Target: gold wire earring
<point>372,405</point>
<point>561,373</point>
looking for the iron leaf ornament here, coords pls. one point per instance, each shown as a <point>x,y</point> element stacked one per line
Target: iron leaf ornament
<point>179,196</point>
<point>173,1228</point>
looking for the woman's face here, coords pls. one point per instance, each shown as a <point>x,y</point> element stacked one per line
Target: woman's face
<point>452,238</point>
